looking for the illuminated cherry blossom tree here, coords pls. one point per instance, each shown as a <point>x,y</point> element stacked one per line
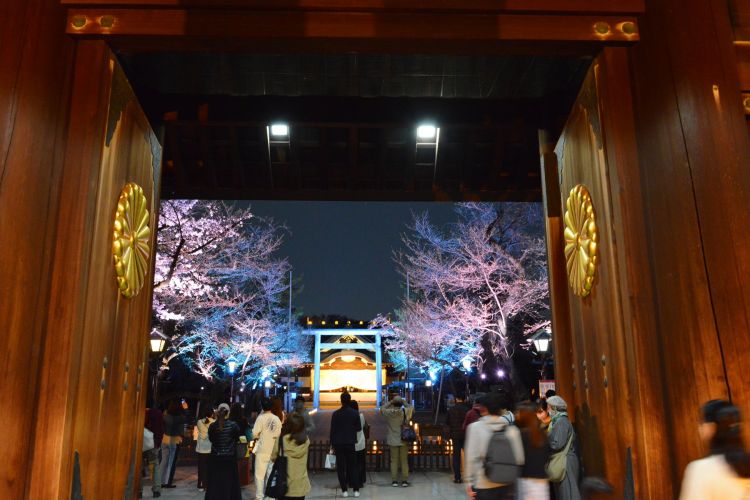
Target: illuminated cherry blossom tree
<point>471,283</point>
<point>219,276</point>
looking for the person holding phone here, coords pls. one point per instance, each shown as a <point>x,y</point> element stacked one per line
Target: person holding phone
<point>174,428</point>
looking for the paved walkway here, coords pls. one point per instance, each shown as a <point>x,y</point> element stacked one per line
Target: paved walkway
<point>424,485</point>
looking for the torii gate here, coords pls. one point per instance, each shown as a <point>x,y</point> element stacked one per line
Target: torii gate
<point>342,332</point>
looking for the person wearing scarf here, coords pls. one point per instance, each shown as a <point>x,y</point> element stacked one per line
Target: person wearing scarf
<point>560,432</point>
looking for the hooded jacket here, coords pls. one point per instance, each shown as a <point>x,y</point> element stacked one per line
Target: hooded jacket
<point>297,479</point>
<point>478,437</point>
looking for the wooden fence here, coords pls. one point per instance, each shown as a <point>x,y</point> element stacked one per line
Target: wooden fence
<point>428,453</point>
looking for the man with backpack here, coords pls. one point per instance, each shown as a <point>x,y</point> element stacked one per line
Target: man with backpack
<point>493,453</point>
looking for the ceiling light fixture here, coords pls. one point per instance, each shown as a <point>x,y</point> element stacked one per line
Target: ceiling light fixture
<point>426,132</point>
<point>279,130</point>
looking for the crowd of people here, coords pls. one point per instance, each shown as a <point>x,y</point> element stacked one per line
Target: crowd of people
<point>531,453</point>
<point>517,448</point>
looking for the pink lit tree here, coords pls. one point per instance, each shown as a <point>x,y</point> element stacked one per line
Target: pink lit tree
<point>219,276</point>
<point>478,286</point>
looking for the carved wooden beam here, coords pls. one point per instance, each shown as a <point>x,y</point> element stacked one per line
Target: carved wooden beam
<point>208,24</point>
<point>525,6</point>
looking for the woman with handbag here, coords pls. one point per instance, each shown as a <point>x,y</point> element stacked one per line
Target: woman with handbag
<point>563,466</point>
<point>533,483</point>
<point>223,478</point>
<point>174,428</point>
<point>293,445</point>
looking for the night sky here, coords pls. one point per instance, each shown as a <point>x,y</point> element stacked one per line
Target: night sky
<point>343,252</point>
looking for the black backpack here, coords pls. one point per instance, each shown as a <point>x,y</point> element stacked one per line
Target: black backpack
<point>500,461</point>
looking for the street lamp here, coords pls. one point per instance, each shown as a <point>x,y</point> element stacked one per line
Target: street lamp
<point>541,340</point>
<point>231,368</point>
<point>466,363</point>
<point>157,341</point>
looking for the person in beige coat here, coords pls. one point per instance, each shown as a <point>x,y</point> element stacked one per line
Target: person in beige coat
<point>296,445</point>
<point>397,413</point>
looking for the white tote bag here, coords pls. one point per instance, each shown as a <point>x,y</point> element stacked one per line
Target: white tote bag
<point>330,461</point>
<point>148,440</point>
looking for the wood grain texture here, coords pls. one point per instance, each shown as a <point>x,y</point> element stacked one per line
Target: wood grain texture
<point>70,270</point>
<point>742,52</point>
<point>691,141</point>
<point>597,321</point>
<point>324,25</point>
<point>100,337</point>
<point>563,6</point>
<point>33,115</point>
<point>740,16</point>
<point>639,345</point>
<point>556,268</point>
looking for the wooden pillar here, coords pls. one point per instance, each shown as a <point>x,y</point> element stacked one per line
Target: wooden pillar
<point>693,151</point>
<point>36,60</point>
<point>316,377</point>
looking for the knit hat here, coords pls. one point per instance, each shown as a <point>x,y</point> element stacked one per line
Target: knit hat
<point>224,406</point>
<point>557,403</point>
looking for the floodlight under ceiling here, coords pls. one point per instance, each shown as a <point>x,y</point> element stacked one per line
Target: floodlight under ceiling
<point>426,132</point>
<point>279,130</point>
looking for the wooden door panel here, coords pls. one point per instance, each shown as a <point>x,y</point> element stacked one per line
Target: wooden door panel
<point>600,365</point>
<point>107,334</point>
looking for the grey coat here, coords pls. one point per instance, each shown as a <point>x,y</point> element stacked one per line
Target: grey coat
<point>559,434</point>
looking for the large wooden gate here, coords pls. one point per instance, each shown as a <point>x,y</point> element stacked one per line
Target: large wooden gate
<point>657,135</point>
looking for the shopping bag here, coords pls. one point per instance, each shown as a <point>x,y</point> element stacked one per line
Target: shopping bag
<point>148,440</point>
<point>330,461</point>
<point>556,467</point>
<point>243,449</point>
<point>277,486</point>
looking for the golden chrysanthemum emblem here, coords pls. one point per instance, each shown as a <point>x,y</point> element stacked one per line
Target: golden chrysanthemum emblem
<point>581,241</point>
<point>130,242</point>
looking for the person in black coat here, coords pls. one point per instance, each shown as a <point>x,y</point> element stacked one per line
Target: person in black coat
<point>345,424</point>
<point>457,433</point>
<point>223,477</point>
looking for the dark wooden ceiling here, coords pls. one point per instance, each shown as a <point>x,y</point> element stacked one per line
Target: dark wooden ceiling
<point>353,120</point>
